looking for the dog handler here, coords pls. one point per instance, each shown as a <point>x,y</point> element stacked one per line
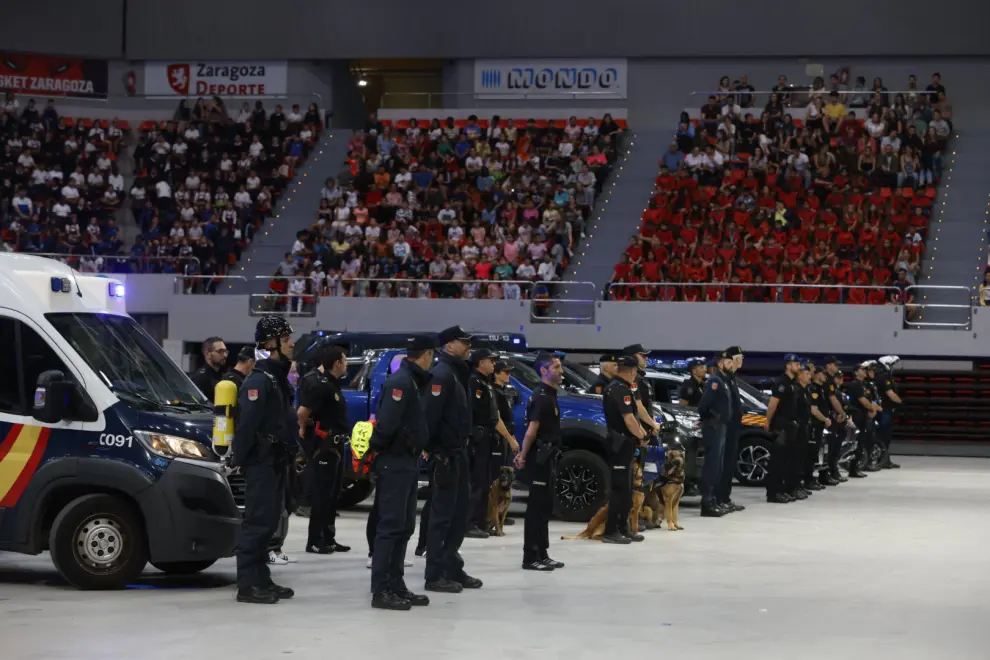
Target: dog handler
<point>507,428</point>
<point>540,449</point>
<point>624,433</point>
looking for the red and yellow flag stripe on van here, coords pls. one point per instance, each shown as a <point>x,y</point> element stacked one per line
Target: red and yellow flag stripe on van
<point>754,420</point>
<point>20,455</point>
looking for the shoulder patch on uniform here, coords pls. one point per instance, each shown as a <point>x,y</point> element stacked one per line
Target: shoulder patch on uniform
<point>627,400</point>
<point>598,389</point>
<point>634,387</point>
<point>436,389</point>
<point>397,395</point>
<point>336,397</point>
<point>477,394</point>
<point>252,395</point>
<point>782,389</point>
<point>714,385</point>
<point>814,395</point>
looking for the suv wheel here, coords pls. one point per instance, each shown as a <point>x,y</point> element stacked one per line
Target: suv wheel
<point>753,463</point>
<point>98,542</point>
<point>581,485</point>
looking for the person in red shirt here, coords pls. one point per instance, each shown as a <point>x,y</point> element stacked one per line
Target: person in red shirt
<point>823,233</point>
<point>651,268</point>
<point>795,251</point>
<point>812,273</point>
<point>845,241</point>
<point>706,251</point>
<point>721,269</point>
<point>690,294</point>
<point>881,274</point>
<point>682,249</point>
<point>773,250</point>
<point>877,295</point>
<point>619,291</point>
<point>856,296</point>
<point>635,250</point>
<point>727,251</point>
<point>750,252</point>
<point>621,270</point>
<point>744,271</point>
<point>757,293</point>
<point>735,293</point>
<point>713,293</point>
<point>675,270</point>
<point>918,219</point>
<point>769,271</point>
<point>689,235</point>
<point>653,213</point>
<point>665,234</point>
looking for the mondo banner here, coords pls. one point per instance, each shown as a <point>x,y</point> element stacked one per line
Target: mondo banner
<point>51,75</point>
<point>550,79</point>
<point>225,79</point>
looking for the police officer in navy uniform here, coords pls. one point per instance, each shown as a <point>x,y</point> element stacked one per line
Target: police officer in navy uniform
<point>538,456</point>
<point>820,420</point>
<point>863,413</point>
<point>400,436</point>
<point>244,366</point>
<point>804,442</point>
<point>730,455</point>
<point>641,388</point>
<point>624,434</point>
<point>484,439</point>
<point>715,409</point>
<point>873,394</point>
<point>606,366</point>
<point>263,447</point>
<point>323,431</point>
<point>215,357</point>
<point>837,416</point>
<point>782,424</point>
<point>889,401</point>
<point>690,391</point>
<point>448,417</point>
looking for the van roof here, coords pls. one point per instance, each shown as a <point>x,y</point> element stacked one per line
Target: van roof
<point>35,286</point>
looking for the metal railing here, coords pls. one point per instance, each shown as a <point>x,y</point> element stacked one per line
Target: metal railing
<point>205,284</point>
<point>772,287</point>
<point>107,263</point>
<point>799,96</point>
<point>947,315</point>
<point>438,100</point>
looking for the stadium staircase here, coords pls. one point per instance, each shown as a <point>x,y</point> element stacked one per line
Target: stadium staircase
<point>296,210</point>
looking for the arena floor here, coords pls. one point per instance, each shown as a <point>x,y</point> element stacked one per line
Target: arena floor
<point>891,566</point>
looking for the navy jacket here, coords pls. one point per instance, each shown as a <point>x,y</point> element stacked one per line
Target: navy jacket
<point>448,414</point>
<point>400,423</point>
<point>264,408</point>
<point>716,404</point>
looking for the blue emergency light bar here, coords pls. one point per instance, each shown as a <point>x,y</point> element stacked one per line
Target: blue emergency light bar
<point>116,290</point>
<point>61,285</point>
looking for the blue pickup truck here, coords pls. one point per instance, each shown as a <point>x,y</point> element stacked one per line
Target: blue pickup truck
<point>583,476</point>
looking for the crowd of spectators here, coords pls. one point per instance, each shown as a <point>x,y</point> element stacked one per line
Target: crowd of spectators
<point>825,185</point>
<point>500,201</point>
<point>205,181</point>
<point>60,183</point>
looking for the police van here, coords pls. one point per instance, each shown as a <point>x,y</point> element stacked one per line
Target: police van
<point>105,447</point>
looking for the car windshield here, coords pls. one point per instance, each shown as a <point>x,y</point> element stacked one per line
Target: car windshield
<point>575,375</point>
<point>128,360</point>
<point>525,373</point>
<point>752,396</point>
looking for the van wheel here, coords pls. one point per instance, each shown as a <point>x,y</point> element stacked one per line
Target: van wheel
<point>354,492</point>
<point>581,484</point>
<point>183,567</point>
<point>97,542</point>
<point>753,462</point>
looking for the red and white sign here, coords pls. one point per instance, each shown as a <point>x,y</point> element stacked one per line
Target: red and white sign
<point>223,79</point>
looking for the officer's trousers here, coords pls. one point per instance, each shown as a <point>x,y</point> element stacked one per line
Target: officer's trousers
<point>784,441</point>
<point>836,436</point>
<point>398,480</point>
<point>884,434</point>
<point>713,435</point>
<point>620,495</point>
<point>539,509</point>
<point>865,438</point>
<point>264,495</point>
<point>486,461</point>
<point>335,499</point>
<point>813,434</point>
<point>449,506</point>
<point>798,458</point>
<point>730,459</point>
<point>321,485</point>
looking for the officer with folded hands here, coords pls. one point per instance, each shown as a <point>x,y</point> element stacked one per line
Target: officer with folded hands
<point>715,409</point>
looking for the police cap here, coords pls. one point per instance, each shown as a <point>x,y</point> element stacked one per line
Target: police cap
<point>635,349</point>
<point>271,327</point>
<point>791,357</point>
<point>733,351</point>
<point>245,354</point>
<point>727,354</point>
<point>831,359</point>
<point>502,365</point>
<point>452,333</point>
<point>805,366</point>
<point>695,363</point>
<point>421,343</point>
<point>627,361</point>
<point>608,357</point>
<point>483,354</point>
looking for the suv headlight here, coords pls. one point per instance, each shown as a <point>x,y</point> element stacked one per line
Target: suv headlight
<point>174,446</point>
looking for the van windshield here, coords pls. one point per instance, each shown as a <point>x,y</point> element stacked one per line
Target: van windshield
<point>127,359</point>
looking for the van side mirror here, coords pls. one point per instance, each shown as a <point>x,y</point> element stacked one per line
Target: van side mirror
<point>512,394</point>
<point>52,397</point>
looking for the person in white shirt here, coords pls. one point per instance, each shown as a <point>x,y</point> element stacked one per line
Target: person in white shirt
<point>294,116</point>
<point>72,228</point>
<point>116,181</point>
<point>253,182</point>
<point>731,108</point>
<point>565,149</point>
<point>187,212</point>
<point>77,178</point>
<point>103,163</point>
<point>511,291</point>
<point>473,163</point>
<point>256,147</point>
<point>403,179</point>
<point>242,198</point>
<point>192,133</point>
<point>226,164</point>
<point>526,271</point>
<point>95,179</point>
<point>401,248</point>
<point>297,289</point>
<point>26,160</point>
<point>372,231</point>
<point>55,175</point>
<point>244,115</point>
<point>547,272</point>
<point>93,229</point>
<point>161,147</point>
<point>353,231</point>
<point>70,144</point>
<point>298,246</point>
<point>22,204</point>
<point>110,198</point>
<point>61,209</point>
<point>586,178</point>
<point>502,147</point>
<point>192,181</point>
<point>572,130</point>
<point>39,177</point>
<point>180,147</point>
<point>163,191</point>
<point>591,128</point>
<point>195,231</point>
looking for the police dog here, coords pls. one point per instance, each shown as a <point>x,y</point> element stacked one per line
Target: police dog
<point>671,486</point>
<point>595,529</point>
<point>499,498</point>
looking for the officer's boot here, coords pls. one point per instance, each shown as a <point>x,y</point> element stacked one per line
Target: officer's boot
<point>386,600</point>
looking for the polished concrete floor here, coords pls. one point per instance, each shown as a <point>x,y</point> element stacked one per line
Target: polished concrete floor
<point>893,566</point>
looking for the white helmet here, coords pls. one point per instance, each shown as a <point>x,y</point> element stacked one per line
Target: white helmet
<point>889,361</point>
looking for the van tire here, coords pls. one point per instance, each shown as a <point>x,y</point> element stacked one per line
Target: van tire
<point>184,567</point>
<point>585,476</point>
<point>98,542</point>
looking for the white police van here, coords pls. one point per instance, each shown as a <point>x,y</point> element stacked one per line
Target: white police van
<point>105,444</point>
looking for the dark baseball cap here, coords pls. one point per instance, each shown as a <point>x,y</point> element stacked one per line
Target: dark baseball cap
<point>727,354</point>
<point>245,354</point>
<point>608,357</point>
<point>635,349</point>
<point>791,357</point>
<point>733,351</point>
<point>831,359</point>
<point>502,365</point>
<point>452,333</point>
<point>627,361</point>
<point>421,343</point>
<point>805,366</point>
<point>695,363</point>
<point>483,354</point>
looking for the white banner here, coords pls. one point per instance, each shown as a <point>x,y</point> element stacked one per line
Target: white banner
<point>550,79</point>
<point>224,79</point>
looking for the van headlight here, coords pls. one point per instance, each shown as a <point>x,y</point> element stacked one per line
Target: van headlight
<point>174,446</point>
